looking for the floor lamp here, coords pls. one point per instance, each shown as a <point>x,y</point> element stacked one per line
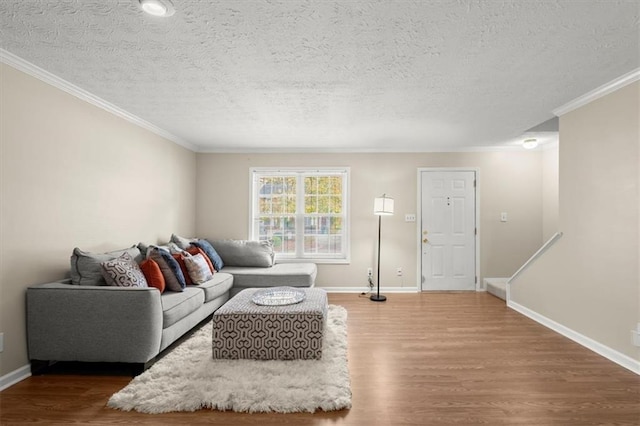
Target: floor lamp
<point>382,206</point>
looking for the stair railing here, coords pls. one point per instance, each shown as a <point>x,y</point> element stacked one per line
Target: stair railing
<point>536,255</point>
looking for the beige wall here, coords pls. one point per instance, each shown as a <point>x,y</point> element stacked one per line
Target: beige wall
<point>589,281</point>
<point>509,182</point>
<point>75,175</point>
<point>550,185</point>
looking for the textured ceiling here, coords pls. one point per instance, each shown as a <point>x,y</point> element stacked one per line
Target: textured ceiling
<point>332,75</point>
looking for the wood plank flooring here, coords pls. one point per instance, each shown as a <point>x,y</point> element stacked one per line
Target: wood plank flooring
<point>417,359</point>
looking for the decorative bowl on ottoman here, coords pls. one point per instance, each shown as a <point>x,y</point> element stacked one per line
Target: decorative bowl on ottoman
<point>243,329</point>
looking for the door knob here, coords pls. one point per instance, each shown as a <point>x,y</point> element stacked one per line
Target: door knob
<point>426,240</point>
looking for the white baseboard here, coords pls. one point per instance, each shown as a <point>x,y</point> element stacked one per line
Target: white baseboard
<point>15,376</point>
<point>362,289</point>
<point>605,351</point>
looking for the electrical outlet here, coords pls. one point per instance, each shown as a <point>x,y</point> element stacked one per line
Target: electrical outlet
<point>1,342</point>
<point>399,272</point>
<point>369,272</point>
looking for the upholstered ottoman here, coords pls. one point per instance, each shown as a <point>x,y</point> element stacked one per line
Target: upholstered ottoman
<point>245,330</point>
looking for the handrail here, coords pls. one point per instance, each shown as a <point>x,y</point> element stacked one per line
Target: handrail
<point>537,254</point>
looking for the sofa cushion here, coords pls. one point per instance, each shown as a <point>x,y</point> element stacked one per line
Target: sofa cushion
<point>281,274</point>
<point>170,269</point>
<point>86,267</point>
<point>245,252</point>
<point>153,274</point>
<point>176,306</point>
<point>211,253</point>
<point>219,284</point>
<point>123,271</point>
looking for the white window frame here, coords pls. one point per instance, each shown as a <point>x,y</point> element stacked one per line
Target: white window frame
<point>256,172</point>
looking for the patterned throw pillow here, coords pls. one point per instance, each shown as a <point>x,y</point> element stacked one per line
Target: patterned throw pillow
<point>123,271</point>
<point>198,268</point>
<point>211,253</point>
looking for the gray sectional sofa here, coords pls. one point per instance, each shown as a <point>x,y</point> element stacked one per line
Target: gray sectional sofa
<point>101,323</point>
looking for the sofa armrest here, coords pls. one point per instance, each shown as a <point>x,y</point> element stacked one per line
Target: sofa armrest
<point>93,323</point>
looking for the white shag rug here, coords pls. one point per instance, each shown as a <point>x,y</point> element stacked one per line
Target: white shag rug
<point>188,379</point>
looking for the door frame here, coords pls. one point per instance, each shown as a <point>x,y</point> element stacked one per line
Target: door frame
<point>476,170</point>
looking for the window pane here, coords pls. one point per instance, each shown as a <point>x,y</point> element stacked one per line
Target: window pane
<point>290,206</point>
<point>309,245</point>
<point>311,185</point>
<point>336,204</point>
<point>336,185</point>
<point>324,185</point>
<point>336,244</point>
<point>336,225</point>
<point>310,204</point>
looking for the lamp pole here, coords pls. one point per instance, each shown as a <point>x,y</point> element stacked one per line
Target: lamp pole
<point>377,297</point>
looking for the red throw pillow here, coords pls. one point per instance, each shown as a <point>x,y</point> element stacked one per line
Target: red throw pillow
<point>193,250</point>
<point>153,274</point>
<point>183,267</point>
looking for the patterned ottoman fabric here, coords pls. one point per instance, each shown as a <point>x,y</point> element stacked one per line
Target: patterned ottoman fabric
<point>244,330</point>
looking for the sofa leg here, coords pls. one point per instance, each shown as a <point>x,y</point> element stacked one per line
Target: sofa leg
<point>39,367</point>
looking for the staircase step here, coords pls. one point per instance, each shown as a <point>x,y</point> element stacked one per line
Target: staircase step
<point>496,287</point>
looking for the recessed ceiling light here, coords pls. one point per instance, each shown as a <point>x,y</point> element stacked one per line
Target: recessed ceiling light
<point>530,143</point>
<point>162,8</point>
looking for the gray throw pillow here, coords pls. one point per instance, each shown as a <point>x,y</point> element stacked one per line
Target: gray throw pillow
<point>86,267</point>
<point>245,252</point>
<point>182,242</point>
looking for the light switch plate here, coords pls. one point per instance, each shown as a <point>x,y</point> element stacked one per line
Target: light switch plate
<point>409,217</point>
<point>503,217</point>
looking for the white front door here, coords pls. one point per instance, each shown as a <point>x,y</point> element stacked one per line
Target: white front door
<point>448,230</point>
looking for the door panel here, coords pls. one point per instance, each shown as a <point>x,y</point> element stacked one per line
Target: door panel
<point>448,230</point>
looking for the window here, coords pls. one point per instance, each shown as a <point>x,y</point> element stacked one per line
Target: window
<point>302,211</point>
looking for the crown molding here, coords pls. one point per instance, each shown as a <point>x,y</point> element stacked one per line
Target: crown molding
<point>601,91</point>
<point>20,64</point>
<point>435,150</point>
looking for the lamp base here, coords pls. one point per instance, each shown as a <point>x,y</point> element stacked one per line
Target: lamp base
<point>378,298</point>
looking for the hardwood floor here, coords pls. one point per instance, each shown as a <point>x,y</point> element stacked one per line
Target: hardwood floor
<point>417,359</point>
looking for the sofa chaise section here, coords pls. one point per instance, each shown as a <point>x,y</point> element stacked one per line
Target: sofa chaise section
<point>280,274</point>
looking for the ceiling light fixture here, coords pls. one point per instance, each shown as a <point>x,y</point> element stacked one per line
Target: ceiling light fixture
<point>530,143</point>
<point>162,8</point>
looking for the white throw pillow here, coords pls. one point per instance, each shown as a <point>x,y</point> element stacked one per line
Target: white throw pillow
<point>197,267</point>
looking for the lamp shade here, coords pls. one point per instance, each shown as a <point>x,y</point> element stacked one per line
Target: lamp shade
<point>383,206</point>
